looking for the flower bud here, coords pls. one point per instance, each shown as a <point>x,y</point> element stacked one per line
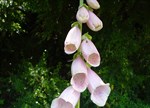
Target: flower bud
<point>98,89</point>
<point>79,75</point>
<point>73,40</point>
<point>94,23</point>
<point>93,4</point>
<point>68,99</point>
<point>90,53</point>
<point>82,15</point>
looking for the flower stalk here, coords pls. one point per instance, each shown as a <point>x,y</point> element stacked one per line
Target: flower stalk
<point>78,104</point>
<point>80,4</point>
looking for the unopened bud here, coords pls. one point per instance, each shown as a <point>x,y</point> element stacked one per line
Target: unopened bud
<point>94,23</point>
<point>93,4</point>
<point>82,15</point>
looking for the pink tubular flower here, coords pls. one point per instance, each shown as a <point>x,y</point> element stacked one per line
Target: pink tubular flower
<point>68,99</point>
<point>93,4</point>
<point>79,75</point>
<point>73,40</point>
<point>90,53</point>
<point>98,89</point>
<point>82,15</point>
<point>94,23</point>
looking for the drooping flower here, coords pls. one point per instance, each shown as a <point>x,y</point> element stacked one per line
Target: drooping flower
<point>68,99</point>
<point>98,89</point>
<point>82,15</point>
<point>90,53</point>
<point>93,4</point>
<point>73,40</point>
<point>94,23</point>
<point>79,79</point>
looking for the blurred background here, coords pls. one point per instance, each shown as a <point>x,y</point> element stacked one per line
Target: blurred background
<point>34,68</point>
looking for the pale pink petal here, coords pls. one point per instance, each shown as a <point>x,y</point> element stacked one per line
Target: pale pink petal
<point>100,95</point>
<point>79,79</point>
<point>68,99</point>
<point>90,53</point>
<point>79,82</point>
<point>93,4</point>
<point>98,89</point>
<point>93,77</point>
<point>60,103</point>
<point>82,15</point>
<point>73,40</point>
<point>94,23</point>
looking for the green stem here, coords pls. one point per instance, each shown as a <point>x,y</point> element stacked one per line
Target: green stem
<point>81,3</point>
<point>78,104</point>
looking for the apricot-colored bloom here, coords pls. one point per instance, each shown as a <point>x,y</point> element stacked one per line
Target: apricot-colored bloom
<point>94,23</point>
<point>82,15</point>
<point>79,75</point>
<point>73,40</point>
<point>90,53</point>
<point>93,4</point>
<point>68,99</point>
<point>98,89</point>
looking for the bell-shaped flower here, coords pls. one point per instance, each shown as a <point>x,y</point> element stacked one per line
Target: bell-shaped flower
<point>90,53</point>
<point>68,99</point>
<point>93,4</point>
<point>94,23</point>
<point>82,15</point>
<point>79,79</point>
<point>98,89</point>
<point>73,40</point>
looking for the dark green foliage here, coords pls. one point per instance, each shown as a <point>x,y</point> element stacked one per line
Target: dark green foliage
<point>34,68</point>
<point>37,85</point>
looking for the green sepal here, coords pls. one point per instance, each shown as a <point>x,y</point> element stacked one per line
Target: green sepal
<point>87,36</point>
<point>77,24</point>
<point>76,54</point>
<point>87,7</point>
<point>88,65</point>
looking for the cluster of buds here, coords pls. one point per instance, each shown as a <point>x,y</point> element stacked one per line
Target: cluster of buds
<point>86,56</point>
<point>85,15</point>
